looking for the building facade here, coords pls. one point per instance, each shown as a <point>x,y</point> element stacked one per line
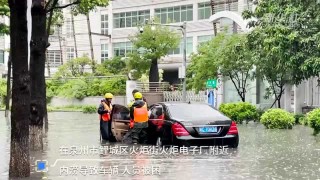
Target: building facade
<point>112,26</point>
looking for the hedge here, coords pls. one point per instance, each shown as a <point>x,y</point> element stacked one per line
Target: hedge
<point>240,111</point>
<point>277,119</point>
<point>313,119</point>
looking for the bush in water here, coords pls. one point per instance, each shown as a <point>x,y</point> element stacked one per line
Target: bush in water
<point>277,119</point>
<point>300,119</point>
<point>240,111</point>
<point>313,119</point>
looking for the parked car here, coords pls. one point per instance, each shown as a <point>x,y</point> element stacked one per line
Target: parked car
<point>182,124</point>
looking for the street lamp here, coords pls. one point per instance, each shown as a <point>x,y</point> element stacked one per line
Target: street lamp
<point>183,28</point>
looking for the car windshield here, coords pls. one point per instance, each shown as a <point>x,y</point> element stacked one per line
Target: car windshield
<point>193,111</point>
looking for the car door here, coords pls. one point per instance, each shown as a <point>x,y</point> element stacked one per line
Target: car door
<point>120,120</point>
<point>156,119</point>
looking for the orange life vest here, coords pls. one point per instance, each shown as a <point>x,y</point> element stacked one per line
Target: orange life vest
<point>141,114</point>
<point>106,116</point>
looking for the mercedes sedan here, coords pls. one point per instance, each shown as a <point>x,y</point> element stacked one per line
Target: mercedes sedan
<point>182,124</point>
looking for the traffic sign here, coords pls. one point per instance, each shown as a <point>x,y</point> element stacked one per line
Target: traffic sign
<point>211,83</point>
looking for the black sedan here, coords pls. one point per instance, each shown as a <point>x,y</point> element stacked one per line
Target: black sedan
<point>182,124</point>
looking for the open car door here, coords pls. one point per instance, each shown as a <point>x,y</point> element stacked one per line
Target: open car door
<point>120,120</point>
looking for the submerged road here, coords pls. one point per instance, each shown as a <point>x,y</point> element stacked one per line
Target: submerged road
<point>73,151</point>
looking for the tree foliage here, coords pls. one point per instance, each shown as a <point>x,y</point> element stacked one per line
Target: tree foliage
<point>116,65</point>
<point>4,11</point>
<point>285,41</point>
<point>74,67</point>
<point>224,54</point>
<point>150,46</point>
<point>205,64</point>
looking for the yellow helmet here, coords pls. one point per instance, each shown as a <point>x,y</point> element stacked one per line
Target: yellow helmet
<point>108,96</point>
<point>137,95</point>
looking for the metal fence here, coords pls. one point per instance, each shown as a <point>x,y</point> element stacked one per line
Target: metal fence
<point>153,86</point>
<point>192,96</point>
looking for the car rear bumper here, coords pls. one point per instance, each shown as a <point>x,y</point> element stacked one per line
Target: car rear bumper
<point>205,141</point>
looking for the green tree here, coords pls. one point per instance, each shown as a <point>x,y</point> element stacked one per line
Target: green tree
<point>236,63</point>
<point>150,46</point>
<point>285,42</point>
<point>205,63</point>
<point>19,149</point>
<point>116,65</point>
<point>74,67</point>
<point>4,11</point>
<point>226,54</point>
<point>44,15</point>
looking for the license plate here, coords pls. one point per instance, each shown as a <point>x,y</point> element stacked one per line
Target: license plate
<point>208,129</point>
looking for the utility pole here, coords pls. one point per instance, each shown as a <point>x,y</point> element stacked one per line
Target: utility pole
<point>8,97</point>
<point>184,61</point>
<point>48,63</point>
<point>59,36</point>
<point>74,35</point>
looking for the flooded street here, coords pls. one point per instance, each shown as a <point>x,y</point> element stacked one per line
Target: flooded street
<point>262,154</point>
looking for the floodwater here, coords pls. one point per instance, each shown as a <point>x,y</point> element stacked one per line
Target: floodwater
<point>262,154</point>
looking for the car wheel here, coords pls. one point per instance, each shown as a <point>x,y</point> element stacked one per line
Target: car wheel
<point>234,142</point>
<point>159,142</point>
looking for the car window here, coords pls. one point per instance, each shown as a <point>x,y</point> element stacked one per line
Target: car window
<point>155,112</point>
<point>193,111</point>
<point>120,112</point>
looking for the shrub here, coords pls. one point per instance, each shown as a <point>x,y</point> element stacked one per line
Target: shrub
<point>299,118</point>
<point>259,114</point>
<point>89,109</point>
<point>85,86</point>
<point>239,112</point>
<point>3,91</point>
<point>313,119</point>
<point>277,119</point>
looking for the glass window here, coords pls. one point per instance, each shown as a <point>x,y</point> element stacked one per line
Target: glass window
<point>179,50</point>
<point>185,112</point>
<point>104,24</point>
<point>175,14</point>
<point>204,10</point>
<point>156,112</point>
<point>122,49</point>
<point>70,53</point>
<point>54,58</point>
<point>1,56</point>
<point>130,19</point>
<point>104,52</point>
<point>69,29</point>
<point>204,39</point>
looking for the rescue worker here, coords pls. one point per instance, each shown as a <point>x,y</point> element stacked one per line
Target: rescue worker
<point>131,103</point>
<point>139,114</point>
<point>104,111</point>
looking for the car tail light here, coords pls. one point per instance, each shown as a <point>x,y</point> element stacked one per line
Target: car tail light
<point>233,128</point>
<point>179,130</point>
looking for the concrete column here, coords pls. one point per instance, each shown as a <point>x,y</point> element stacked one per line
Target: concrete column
<point>130,86</point>
<point>299,98</point>
<point>287,97</point>
<point>241,5</point>
<point>219,91</point>
<point>195,11</point>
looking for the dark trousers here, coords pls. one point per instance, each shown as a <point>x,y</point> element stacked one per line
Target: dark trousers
<point>105,130</point>
<point>139,133</point>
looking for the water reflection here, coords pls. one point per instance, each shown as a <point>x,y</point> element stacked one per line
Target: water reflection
<point>262,154</point>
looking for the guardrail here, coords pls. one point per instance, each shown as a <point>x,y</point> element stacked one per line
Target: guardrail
<point>153,86</point>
